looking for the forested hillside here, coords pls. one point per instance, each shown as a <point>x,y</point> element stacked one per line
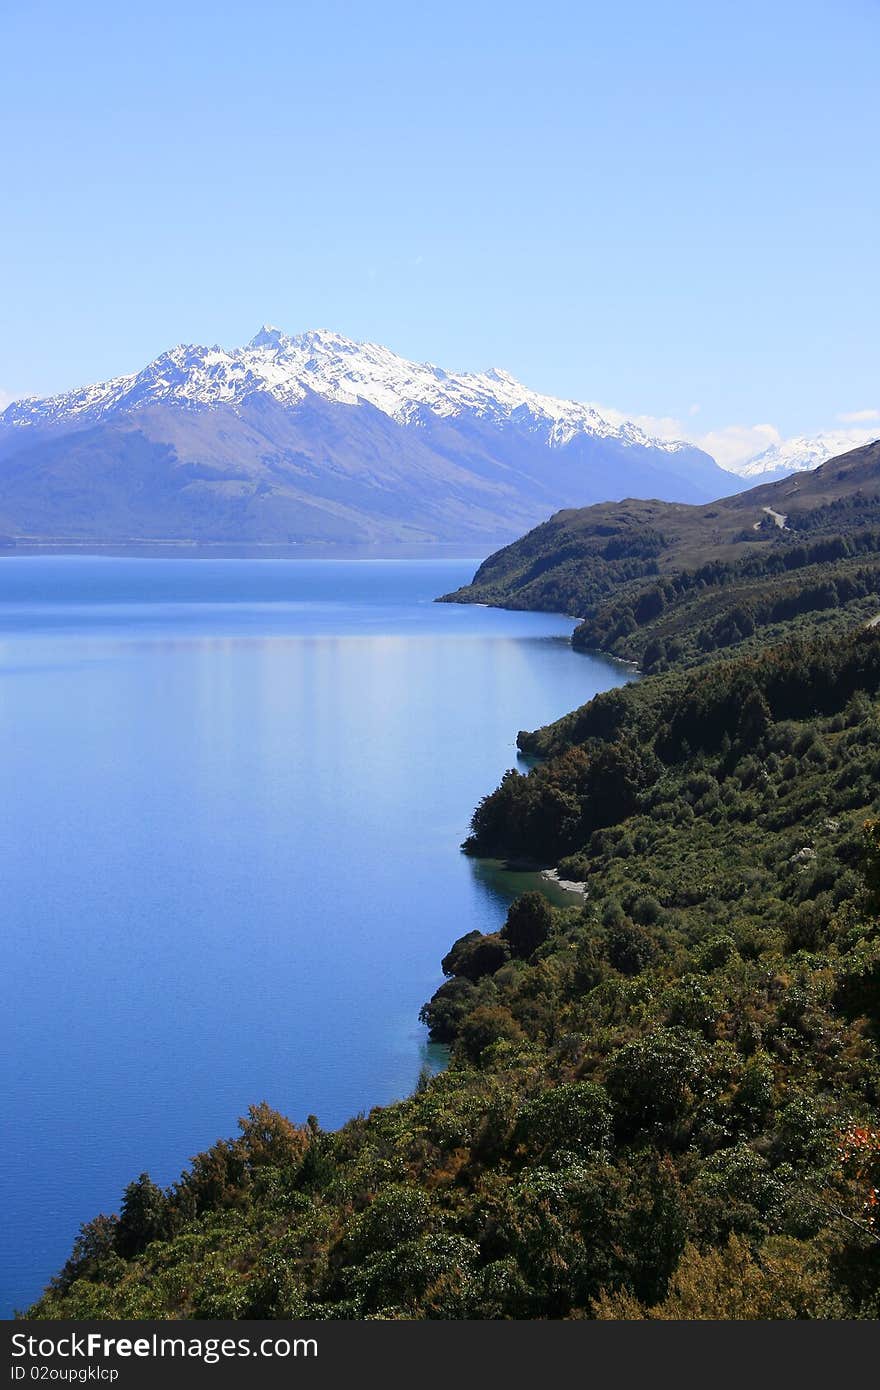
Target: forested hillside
<point>662,1102</point>
<point>665,586</point>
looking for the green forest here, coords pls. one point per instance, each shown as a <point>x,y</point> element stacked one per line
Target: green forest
<point>661,1102</point>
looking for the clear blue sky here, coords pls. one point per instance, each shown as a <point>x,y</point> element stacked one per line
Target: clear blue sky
<point>655,206</point>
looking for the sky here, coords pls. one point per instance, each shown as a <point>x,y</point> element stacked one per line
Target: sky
<point>672,210</point>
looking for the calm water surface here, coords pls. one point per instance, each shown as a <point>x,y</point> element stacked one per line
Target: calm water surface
<point>234,792</point>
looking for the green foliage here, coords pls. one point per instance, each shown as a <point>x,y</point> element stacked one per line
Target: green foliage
<point>656,1082</point>
<point>399,1214</point>
<point>659,1104</point>
<point>487,1025</point>
<point>661,584</point>
<point>573,1116</point>
<point>630,948</point>
<point>785,1279</point>
<point>143,1217</point>
<point>475,955</point>
<point>529,923</point>
<point>680,1142</point>
<point>445,1013</point>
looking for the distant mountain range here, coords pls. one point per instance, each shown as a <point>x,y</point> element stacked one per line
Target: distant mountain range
<point>799,454</point>
<point>316,438</point>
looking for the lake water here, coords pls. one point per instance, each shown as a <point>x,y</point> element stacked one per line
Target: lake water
<point>233,796</point>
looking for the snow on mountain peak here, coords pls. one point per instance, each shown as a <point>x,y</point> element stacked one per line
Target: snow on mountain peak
<point>338,368</point>
<point>268,337</point>
<point>801,453</point>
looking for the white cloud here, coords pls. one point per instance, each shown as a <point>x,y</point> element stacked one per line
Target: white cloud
<point>729,445</point>
<point>858,417</point>
<point>662,426</point>
<point>734,444</point>
<point>5,399</point>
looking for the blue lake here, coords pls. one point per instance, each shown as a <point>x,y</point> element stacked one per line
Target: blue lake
<point>233,796</point>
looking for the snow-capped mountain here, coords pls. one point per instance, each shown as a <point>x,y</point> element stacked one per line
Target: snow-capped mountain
<point>799,455</point>
<point>319,438</point>
<point>340,370</point>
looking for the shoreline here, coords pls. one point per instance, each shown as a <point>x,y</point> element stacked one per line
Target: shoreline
<point>565,885</point>
<point>510,879</point>
<point>237,550</point>
<point>521,881</point>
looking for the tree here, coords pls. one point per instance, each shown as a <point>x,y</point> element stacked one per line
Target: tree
<point>529,923</point>
<point>475,955</point>
<point>655,1082</point>
<point>447,1010</point>
<point>755,719</point>
<point>488,1024</point>
<point>93,1250</point>
<point>871,866</point>
<point>268,1137</point>
<point>143,1217</point>
<point>575,1115</point>
<point>729,1284</point>
<point>400,1213</point>
<point>630,948</point>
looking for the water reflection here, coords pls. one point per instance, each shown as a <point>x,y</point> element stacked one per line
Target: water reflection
<point>501,884</point>
<point>229,850</point>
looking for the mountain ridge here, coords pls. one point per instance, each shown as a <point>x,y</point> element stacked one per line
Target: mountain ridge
<point>317,438</point>
<point>800,454</point>
<point>341,369</point>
